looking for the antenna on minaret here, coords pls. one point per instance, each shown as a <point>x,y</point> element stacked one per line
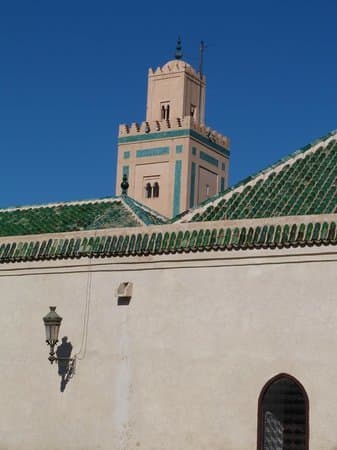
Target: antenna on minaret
<point>201,67</point>
<point>201,64</point>
<point>179,52</point>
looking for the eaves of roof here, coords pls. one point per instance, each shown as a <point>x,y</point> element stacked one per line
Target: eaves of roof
<point>169,239</point>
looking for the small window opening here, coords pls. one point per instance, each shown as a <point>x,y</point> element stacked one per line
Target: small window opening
<point>193,109</point>
<point>165,111</point>
<point>148,190</point>
<point>156,190</point>
<point>208,190</point>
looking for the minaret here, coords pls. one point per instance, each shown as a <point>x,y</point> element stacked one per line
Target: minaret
<point>172,160</point>
<point>175,90</point>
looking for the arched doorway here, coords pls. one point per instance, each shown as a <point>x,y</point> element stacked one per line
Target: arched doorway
<point>283,416</point>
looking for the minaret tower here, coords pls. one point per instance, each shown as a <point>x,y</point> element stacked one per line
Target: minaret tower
<point>172,160</point>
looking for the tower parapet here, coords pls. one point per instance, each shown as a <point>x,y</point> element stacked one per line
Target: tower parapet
<point>157,126</point>
<point>176,65</point>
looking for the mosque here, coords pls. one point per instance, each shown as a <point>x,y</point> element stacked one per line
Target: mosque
<point>194,315</point>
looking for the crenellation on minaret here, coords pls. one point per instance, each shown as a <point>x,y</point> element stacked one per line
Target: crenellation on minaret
<point>175,124</point>
<point>176,66</point>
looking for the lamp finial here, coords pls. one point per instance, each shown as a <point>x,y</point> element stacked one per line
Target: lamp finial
<point>179,52</point>
<point>125,184</point>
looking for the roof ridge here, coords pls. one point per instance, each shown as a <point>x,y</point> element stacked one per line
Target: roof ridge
<point>292,157</point>
<point>132,211</point>
<point>62,203</point>
<point>144,207</point>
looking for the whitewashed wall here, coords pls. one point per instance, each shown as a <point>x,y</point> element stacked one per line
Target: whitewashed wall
<point>181,367</point>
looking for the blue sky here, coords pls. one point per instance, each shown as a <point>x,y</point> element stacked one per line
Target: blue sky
<point>71,71</point>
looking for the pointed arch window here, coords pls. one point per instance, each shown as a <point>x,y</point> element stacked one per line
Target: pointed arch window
<point>156,190</point>
<point>165,111</point>
<point>148,190</point>
<point>193,110</point>
<point>283,417</point>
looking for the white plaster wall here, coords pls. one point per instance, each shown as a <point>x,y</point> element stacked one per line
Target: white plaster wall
<point>182,366</point>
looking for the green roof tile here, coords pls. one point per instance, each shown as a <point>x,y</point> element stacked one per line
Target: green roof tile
<point>116,212</point>
<point>304,183</point>
<point>224,239</point>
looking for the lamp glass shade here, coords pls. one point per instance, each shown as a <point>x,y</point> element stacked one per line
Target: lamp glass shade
<point>52,332</point>
<point>52,322</point>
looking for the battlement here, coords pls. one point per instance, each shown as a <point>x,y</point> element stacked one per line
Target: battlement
<point>171,125</point>
<point>175,65</point>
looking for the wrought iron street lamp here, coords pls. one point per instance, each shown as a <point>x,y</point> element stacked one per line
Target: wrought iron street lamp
<point>52,322</point>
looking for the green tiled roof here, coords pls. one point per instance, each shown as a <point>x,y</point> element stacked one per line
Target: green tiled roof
<point>172,241</point>
<point>304,183</point>
<point>146,215</point>
<point>57,218</point>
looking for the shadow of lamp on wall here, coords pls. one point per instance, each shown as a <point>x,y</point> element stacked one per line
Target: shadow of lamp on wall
<point>52,322</point>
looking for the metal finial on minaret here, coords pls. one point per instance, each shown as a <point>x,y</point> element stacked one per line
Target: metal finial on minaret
<point>125,184</point>
<point>179,53</point>
<point>201,63</point>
